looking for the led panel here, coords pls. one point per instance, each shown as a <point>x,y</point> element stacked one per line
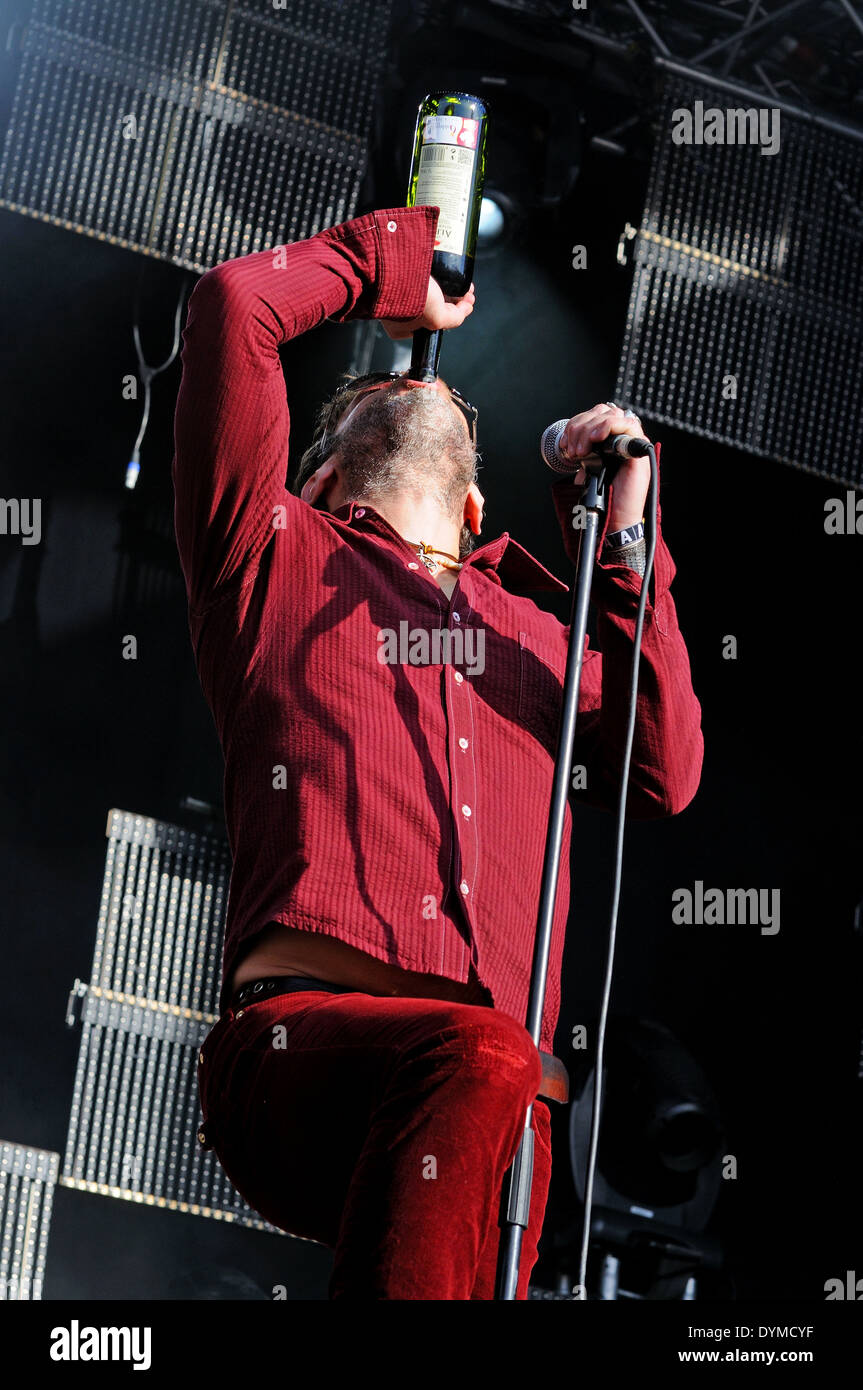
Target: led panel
<point>746,312</point>
<point>151,1000</point>
<point>27,1181</point>
<point>193,130</point>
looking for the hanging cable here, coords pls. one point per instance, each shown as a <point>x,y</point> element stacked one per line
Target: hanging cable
<point>147,372</point>
<point>652,513</point>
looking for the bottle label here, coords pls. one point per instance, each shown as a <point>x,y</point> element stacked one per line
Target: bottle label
<point>451,130</point>
<point>445,177</point>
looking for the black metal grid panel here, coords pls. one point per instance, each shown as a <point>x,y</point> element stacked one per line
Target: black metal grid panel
<point>751,266</point>
<point>149,1005</point>
<point>193,130</point>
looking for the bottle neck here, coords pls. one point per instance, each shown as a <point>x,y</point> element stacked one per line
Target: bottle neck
<point>426,354</point>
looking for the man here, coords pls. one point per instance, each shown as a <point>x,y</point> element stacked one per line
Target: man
<point>388,709</point>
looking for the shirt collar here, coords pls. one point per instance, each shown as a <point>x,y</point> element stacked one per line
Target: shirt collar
<point>502,559</point>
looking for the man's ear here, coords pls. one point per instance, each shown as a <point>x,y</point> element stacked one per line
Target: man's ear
<point>473,509</point>
<point>318,483</point>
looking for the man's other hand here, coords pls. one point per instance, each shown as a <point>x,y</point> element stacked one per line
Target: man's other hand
<point>632,479</point>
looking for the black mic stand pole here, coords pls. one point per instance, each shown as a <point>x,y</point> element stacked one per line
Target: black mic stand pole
<point>519,1178</point>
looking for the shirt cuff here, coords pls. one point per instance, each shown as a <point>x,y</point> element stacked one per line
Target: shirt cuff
<point>407,245</point>
<point>397,247</point>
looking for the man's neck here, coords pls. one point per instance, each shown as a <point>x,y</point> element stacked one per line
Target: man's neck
<point>419,519</point>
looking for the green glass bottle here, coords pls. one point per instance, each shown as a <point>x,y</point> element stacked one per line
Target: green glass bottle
<point>448,171</point>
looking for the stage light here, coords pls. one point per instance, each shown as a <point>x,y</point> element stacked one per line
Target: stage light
<point>492,222</point>
<point>658,1171</point>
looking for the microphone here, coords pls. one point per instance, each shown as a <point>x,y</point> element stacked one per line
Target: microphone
<point>614,446</point>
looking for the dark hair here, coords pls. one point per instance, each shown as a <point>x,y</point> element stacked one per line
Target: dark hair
<point>328,418</point>
<point>329,414</point>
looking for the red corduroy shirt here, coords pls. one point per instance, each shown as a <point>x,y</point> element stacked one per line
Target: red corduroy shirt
<point>398,805</point>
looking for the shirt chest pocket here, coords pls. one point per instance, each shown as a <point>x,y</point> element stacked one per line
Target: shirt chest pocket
<point>540,690</point>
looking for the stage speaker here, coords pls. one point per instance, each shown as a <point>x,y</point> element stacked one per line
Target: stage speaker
<point>745,320</point>
<point>192,130</point>
<point>27,1181</point>
<point>150,1002</point>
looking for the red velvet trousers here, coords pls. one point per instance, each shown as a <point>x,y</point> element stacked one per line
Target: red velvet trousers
<point>381,1127</point>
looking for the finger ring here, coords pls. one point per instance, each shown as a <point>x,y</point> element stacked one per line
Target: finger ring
<point>629,414</point>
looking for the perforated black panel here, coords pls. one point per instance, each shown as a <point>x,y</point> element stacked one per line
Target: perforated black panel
<point>746,314</point>
<point>193,130</point>
<point>148,1007</point>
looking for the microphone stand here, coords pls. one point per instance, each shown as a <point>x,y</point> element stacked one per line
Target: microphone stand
<point>519,1177</point>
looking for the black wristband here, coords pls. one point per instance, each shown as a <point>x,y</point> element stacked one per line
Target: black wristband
<point>631,535</point>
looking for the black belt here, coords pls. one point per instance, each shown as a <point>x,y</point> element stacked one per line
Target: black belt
<point>555,1079</point>
<point>274,985</point>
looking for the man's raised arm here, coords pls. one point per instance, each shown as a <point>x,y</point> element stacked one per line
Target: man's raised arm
<point>232,424</point>
<point>668,748</point>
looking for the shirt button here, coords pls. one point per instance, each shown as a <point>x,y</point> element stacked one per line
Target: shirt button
<point>462,743</point>
<point>458,677</point>
<point>464,888</point>
<point>456,617</point>
<point>466,811</point>
<point>391,226</point>
<point>412,565</point>
<point>360,511</point>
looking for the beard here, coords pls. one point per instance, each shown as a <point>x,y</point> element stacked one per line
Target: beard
<point>412,443</point>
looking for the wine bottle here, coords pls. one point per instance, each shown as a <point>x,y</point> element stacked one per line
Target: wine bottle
<point>447,172</point>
